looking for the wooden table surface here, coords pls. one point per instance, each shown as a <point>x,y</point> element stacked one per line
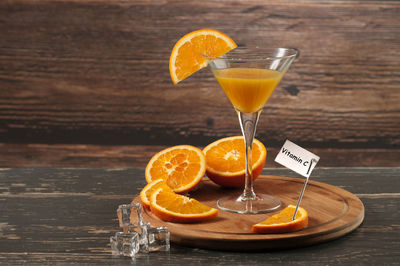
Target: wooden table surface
<point>50,215</point>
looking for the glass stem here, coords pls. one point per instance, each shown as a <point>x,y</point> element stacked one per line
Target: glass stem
<point>248,124</point>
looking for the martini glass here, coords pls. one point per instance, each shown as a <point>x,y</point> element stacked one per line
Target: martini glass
<point>248,76</point>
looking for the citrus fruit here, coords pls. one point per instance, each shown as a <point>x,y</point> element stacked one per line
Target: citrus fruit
<point>172,207</point>
<point>181,167</point>
<point>225,161</point>
<point>146,192</point>
<point>187,54</point>
<point>282,222</point>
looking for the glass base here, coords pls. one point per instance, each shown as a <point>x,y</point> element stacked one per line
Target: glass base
<point>261,204</point>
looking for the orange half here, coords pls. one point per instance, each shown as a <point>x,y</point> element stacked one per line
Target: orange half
<point>282,222</point>
<point>225,161</point>
<point>181,167</point>
<point>187,54</point>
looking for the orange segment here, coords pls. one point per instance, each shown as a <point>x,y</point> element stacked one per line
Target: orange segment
<point>282,222</point>
<point>225,161</point>
<point>181,167</point>
<point>187,54</point>
<point>176,208</point>
<point>146,192</point>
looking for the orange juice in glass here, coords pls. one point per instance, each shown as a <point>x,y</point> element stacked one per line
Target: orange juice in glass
<point>248,76</point>
<point>248,89</point>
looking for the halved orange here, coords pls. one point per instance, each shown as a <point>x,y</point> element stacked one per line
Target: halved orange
<point>172,207</point>
<point>225,161</point>
<point>146,192</point>
<point>181,167</point>
<point>282,222</point>
<point>187,54</point>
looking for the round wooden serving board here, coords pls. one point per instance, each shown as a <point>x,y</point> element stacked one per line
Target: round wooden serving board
<point>333,212</point>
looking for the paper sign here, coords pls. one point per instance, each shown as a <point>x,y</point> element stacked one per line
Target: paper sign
<point>297,159</point>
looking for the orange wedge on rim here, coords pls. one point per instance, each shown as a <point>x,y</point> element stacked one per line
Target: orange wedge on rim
<point>146,192</point>
<point>176,208</point>
<point>282,222</point>
<point>225,161</point>
<point>181,167</point>
<point>187,54</point>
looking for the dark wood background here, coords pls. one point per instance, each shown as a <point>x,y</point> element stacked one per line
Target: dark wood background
<point>86,83</point>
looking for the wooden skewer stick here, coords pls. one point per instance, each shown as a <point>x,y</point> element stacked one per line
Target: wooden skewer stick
<point>302,191</point>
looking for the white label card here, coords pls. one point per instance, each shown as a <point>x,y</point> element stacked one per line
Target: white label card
<point>297,159</point>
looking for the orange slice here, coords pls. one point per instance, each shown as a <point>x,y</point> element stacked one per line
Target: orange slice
<point>187,54</point>
<point>146,192</point>
<point>181,167</point>
<point>176,208</point>
<point>225,161</point>
<point>282,222</point>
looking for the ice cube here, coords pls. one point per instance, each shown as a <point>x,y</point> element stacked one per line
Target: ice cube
<point>142,230</point>
<point>126,214</point>
<point>125,244</point>
<point>114,249</point>
<point>158,239</point>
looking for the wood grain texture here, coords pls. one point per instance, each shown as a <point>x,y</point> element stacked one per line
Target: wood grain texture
<point>127,156</point>
<point>332,213</point>
<point>66,216</point>
<point>96,72</point>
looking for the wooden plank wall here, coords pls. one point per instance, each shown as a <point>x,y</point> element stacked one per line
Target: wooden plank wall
<point>91,77</point>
